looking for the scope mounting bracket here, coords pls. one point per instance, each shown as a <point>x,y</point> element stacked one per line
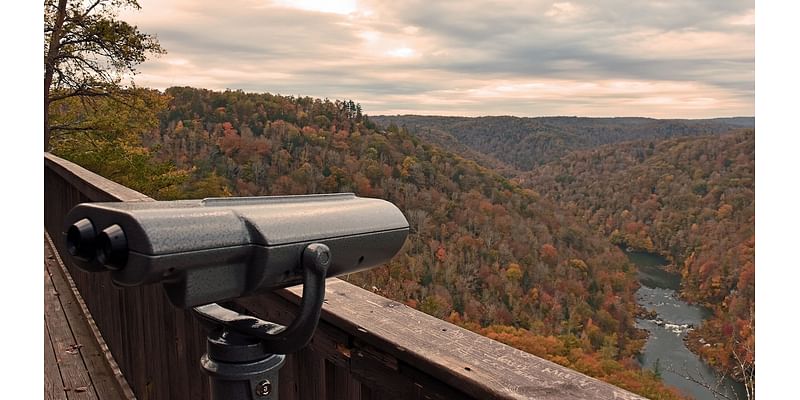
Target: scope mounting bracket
<point>245,353</point>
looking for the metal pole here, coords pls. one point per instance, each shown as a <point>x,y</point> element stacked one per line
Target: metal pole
<point>239,368</point>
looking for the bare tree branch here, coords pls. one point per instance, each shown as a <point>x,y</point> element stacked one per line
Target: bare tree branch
<point>716,389</point>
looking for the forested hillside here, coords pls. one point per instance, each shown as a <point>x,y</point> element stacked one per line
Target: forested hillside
<point>525,143</point>
<point>690,199</point>
<point>483,252</point>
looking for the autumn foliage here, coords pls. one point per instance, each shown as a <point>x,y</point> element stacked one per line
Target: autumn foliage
<point>693,201</point>
<point>483,251</point>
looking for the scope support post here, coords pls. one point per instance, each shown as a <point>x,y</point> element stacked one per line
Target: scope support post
<point>245,353</point>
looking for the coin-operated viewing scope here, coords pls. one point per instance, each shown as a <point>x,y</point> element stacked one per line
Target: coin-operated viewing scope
<point>217,249</point>
<point>211,250</point>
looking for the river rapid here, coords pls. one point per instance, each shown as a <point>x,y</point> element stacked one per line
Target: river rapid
<point>665,350</point>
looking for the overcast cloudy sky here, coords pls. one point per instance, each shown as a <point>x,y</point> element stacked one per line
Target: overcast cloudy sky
<point>670,58</point>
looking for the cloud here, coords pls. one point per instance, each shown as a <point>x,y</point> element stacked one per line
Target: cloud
<point>343,7</point>
<point>684,58</point>
<point>564,11</point>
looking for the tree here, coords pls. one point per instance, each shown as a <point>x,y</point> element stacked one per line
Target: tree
<point>116,151</point>
<point>549,254</point>
<point>87,53</point>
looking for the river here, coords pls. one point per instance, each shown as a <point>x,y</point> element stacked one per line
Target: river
<point>665,349</point>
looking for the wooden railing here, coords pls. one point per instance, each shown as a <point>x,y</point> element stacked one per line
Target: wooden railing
<point>366,346</point>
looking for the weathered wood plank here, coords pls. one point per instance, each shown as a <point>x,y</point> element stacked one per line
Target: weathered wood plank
<point>330,381</point>
<point>53,385</point>
<point>103,380</point>
<point>176,347</point>
<point>340,383</point>
<point>288,387</point>
<point>153,344</point>
<point>366,393</point>
<point>311,378</point>
<point>198,382</point>
<point>134,337</point>
<point>66,349</point>
<point>151,335</point>
<point>165,346</point>
<point>377,369</point>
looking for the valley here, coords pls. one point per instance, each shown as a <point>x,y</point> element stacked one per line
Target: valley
<point>521,250</point>
<point>681,188</point>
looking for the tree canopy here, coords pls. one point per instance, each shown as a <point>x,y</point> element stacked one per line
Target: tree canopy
<point>88,54</point>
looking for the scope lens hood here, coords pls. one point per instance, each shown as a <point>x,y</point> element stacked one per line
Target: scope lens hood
<point>81,240</point>
<point>112,249</point>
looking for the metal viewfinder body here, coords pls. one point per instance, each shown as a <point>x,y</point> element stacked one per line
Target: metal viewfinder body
<point>217,249</point>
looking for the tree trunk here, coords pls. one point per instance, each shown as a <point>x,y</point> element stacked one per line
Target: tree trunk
<point>48,78</point>
<point>49,58</point>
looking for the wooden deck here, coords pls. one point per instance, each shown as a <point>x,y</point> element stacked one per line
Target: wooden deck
<point>75,365</point>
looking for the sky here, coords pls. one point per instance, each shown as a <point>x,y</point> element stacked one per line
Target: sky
<point>663,59</point>
<point>175,24</point>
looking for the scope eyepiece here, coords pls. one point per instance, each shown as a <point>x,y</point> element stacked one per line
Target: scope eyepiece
<point>81,240</point>
<point>112,249</point>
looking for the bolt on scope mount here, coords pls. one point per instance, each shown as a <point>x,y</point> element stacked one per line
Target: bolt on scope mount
<point>217,249</point>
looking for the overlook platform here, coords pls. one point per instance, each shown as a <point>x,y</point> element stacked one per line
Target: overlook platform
<point>76,366</point>
<point>366,346</point>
